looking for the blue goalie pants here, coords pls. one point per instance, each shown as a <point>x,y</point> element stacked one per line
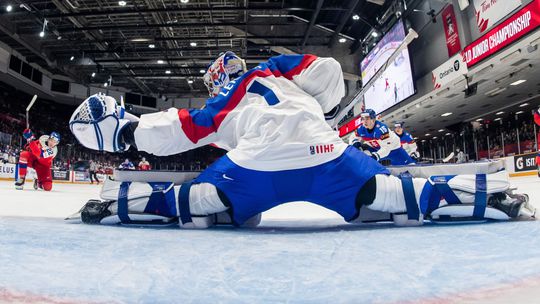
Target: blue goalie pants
<point>333,185</point>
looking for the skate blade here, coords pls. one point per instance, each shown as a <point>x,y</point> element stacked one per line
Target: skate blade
<point>75,218</point>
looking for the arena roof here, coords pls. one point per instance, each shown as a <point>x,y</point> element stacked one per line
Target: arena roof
<point>158,47</point>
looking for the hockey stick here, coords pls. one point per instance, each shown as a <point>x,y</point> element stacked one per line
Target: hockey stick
<point>347,105</point>
<point>448,158</point>
<point>28,110</point>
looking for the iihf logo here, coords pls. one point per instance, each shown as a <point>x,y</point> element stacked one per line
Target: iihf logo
<point>318,149</point>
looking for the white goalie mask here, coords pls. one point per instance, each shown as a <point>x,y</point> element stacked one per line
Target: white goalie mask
<point>228,66</point>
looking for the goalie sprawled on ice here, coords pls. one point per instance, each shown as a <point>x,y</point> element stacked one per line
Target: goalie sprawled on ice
<point>272,121</point>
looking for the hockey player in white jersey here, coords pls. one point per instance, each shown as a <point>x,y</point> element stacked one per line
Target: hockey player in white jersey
<point>272,121</point>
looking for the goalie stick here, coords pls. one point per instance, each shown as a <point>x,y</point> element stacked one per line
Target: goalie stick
<point>347,104</point>
<point>28,111</point>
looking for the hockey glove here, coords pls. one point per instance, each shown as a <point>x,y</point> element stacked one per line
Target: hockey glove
<point>28,135</point>
<point>415,155</point>
<point>99,123</point>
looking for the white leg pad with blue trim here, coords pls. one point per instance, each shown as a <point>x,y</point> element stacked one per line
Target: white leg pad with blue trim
<point>460,198</point>
<point>133,198</point>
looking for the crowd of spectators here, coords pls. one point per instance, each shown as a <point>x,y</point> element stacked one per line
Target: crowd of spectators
<point>510,135</point>
<point>47,116</point>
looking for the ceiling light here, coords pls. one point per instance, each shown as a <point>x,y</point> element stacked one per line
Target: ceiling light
<point>519,112</point>
<point>499,113</point>
<point>423,140</point>
<point>416,138</point>
<point>160,61</point>
<point>515,83</point>
<point>94,74</point>
<point>342,40</point>
<point>495,91</point>
<point>202,71</point>
<point>446,114</point>
<point>72,57</point>
<point>355,17</point>
<point>105,84</point>
<point>375,34</point>
<point>190,81</point>
<point>441,130</point>
<point>151,46</point>
<point>26,7</point>
<point>479,119</point>
<point>122,3</point>
<point>427,134</point>
<point>9,8</point>
<point>448,134</point>
<point>42,34</point>
<point>184,1</point>
<point>497,119</point>
<point>523,105</point>
<point>193,43</point>
<point>434,137</point>
<point>140,40</point>
<point>59,37</point>
<point>374,44</point>
<point>167,71</point>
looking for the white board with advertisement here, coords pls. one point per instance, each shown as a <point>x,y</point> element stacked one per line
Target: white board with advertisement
<point>7,171</point>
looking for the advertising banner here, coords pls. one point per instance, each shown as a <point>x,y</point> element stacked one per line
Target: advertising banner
<point>450,30</point>
<point>60,175</point>
<point>350,126</point>
<point>525,162</point>
<point>80,176</point>
<point>489,12</point>
<point>449,71</point>
<point>7,170</point>
<point>515,27</point>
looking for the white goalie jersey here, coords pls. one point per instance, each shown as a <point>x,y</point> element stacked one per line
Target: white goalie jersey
<point>269,119</point>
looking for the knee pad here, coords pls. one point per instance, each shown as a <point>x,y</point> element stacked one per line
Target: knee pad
<point>198,204</point>
<point>47,186</point>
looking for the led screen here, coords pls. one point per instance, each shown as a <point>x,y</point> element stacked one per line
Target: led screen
<point>396,82</point>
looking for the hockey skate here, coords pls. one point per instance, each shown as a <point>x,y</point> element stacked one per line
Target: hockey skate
<point>100,212</point>
<point>515,205</point>
<point>36,184</point>
<point>92,212</point>
<point>19,184</point>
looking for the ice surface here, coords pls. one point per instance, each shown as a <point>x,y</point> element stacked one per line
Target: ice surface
<point>300,254</point>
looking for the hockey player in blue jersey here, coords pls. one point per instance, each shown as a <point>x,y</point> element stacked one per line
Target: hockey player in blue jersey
<point>379,142</point>
<point>272,121</point>
<point>407,141</point>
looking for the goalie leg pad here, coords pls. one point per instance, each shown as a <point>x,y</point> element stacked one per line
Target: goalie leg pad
<point>466,198</point>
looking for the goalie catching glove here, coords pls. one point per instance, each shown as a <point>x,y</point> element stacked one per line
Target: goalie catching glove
<point>99,123</point>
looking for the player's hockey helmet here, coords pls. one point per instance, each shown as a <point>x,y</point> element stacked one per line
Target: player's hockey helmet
<point>369,113</point>
<point>225,68</point>
<point>399,124</point>
<point>55,136</point>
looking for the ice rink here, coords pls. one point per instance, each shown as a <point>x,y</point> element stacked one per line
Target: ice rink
<point>300,254</point>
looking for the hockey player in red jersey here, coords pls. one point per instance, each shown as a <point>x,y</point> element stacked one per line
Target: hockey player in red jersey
<point>38,154</point>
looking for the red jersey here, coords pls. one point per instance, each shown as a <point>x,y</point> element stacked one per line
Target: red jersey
<point>41,151</point>
<point>145,166</point>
